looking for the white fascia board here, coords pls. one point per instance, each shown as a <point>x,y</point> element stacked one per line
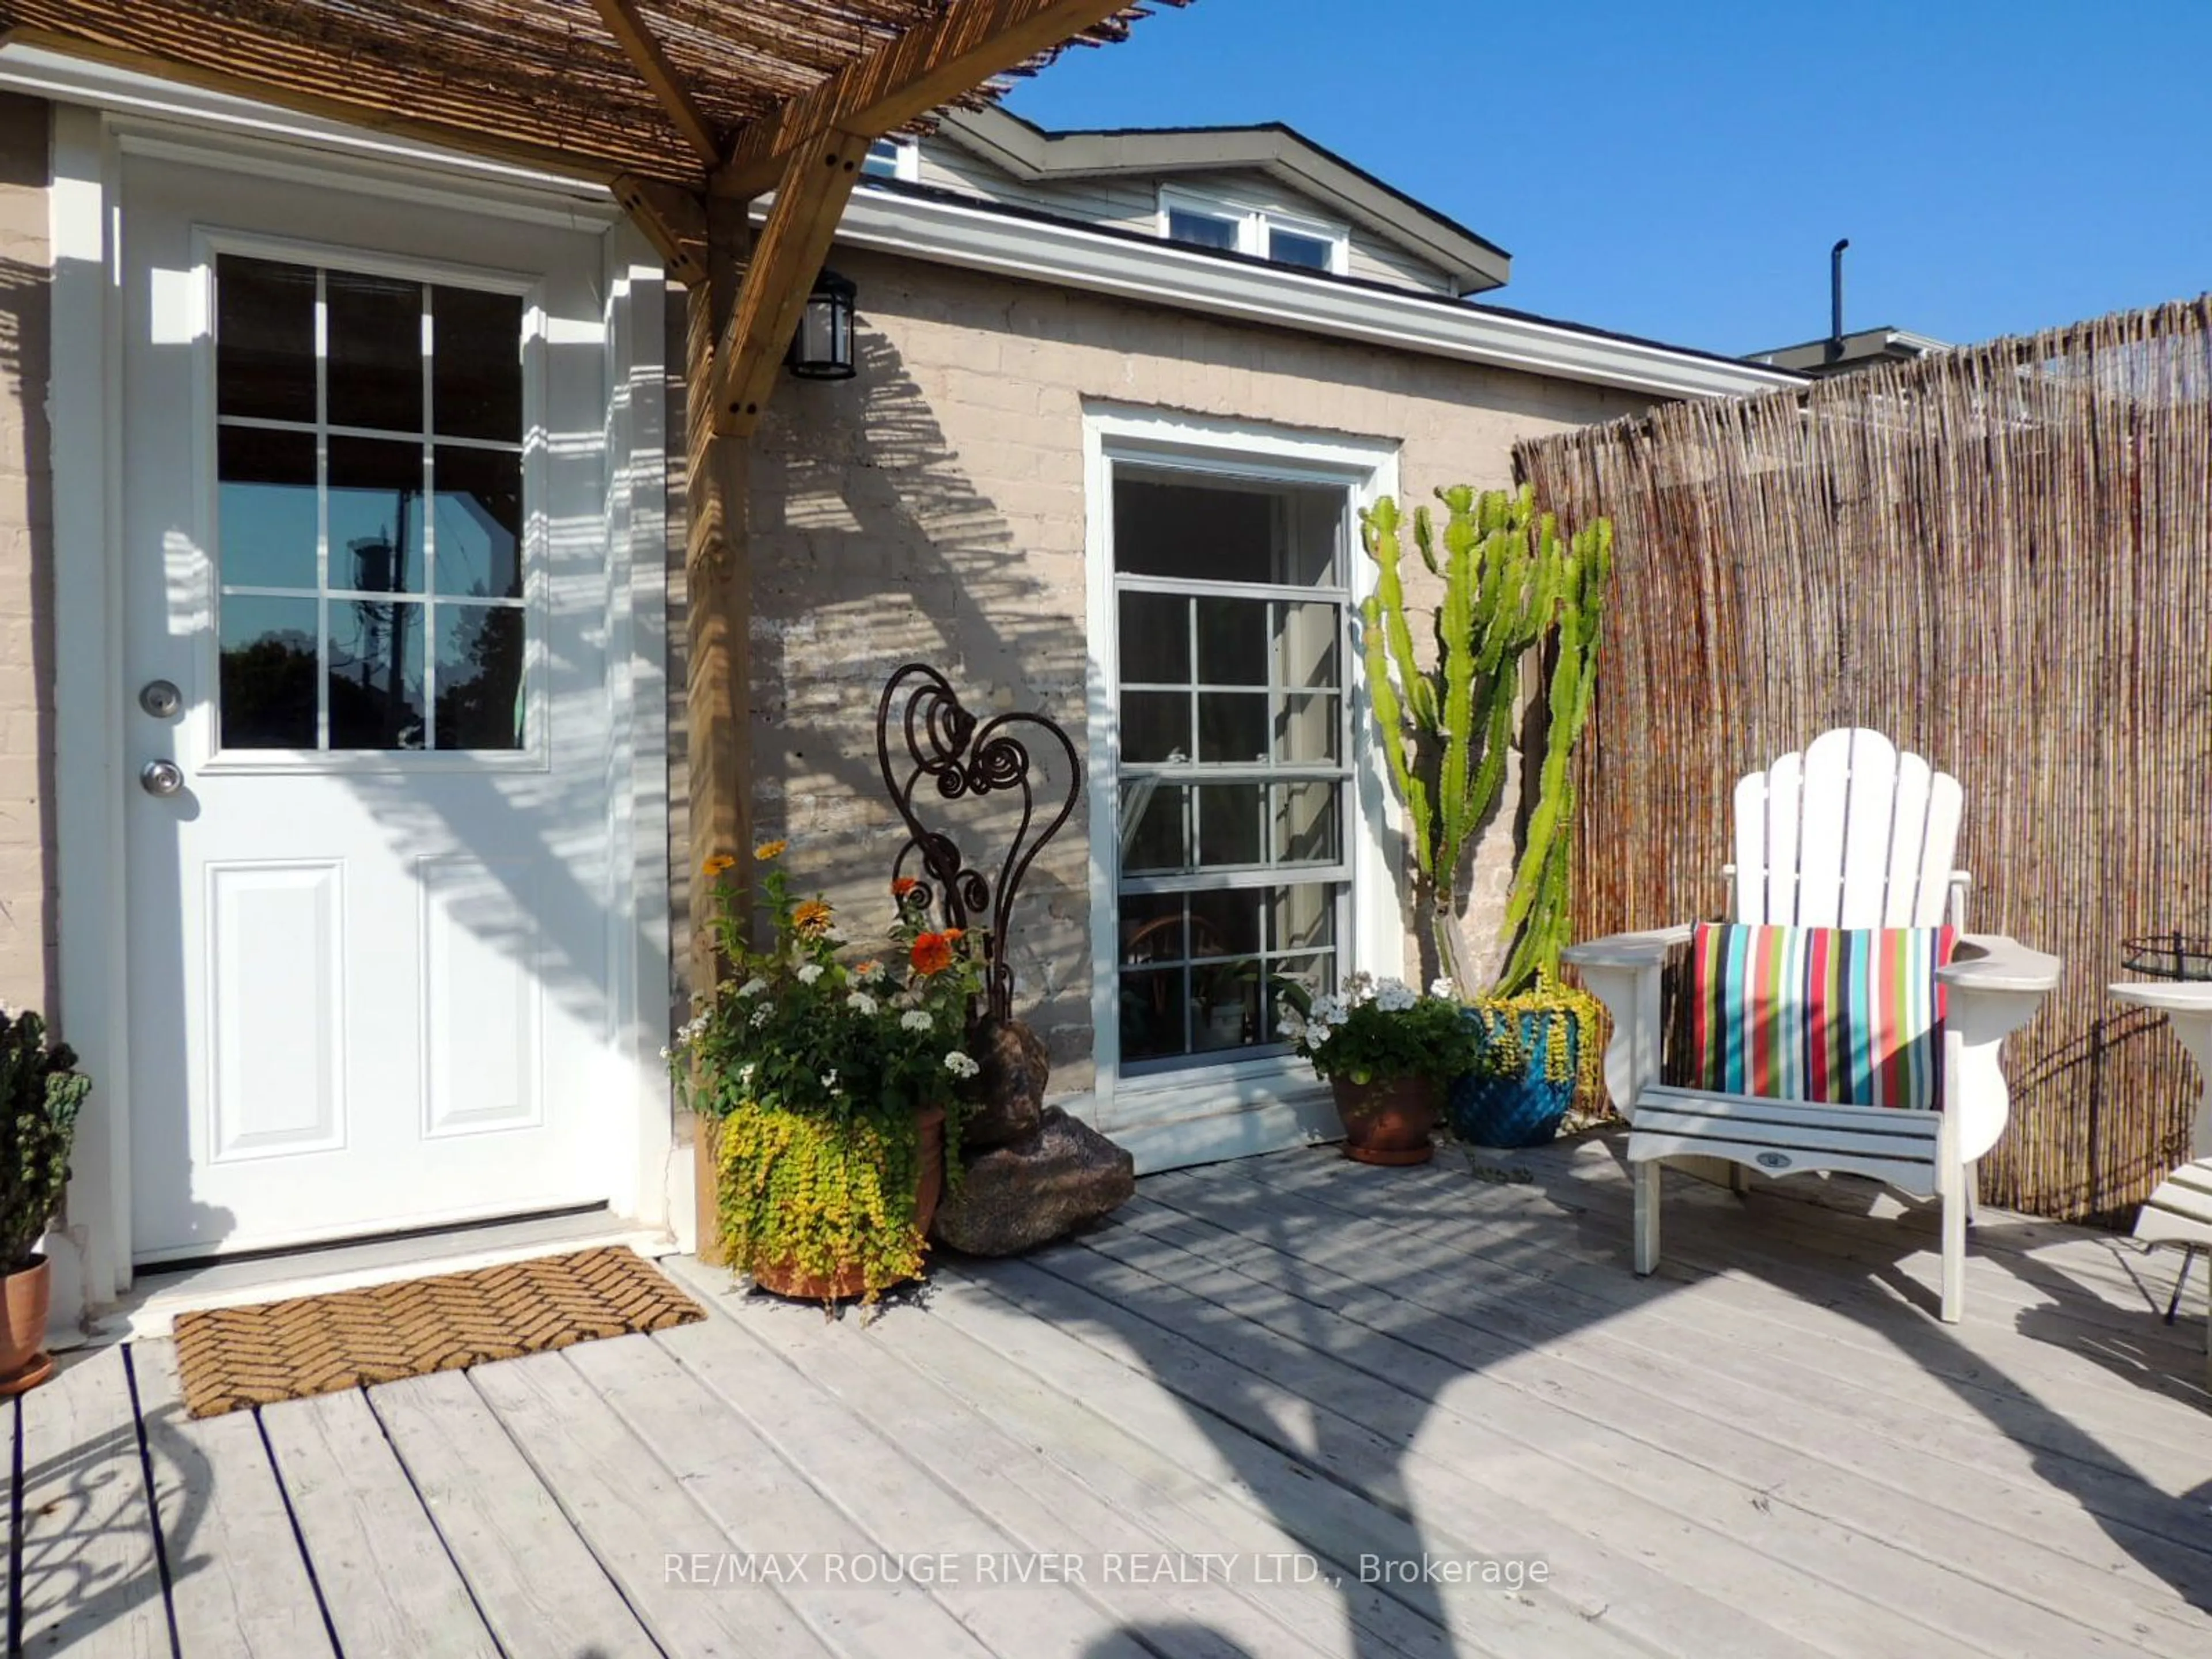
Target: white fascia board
<point>1073,256</point>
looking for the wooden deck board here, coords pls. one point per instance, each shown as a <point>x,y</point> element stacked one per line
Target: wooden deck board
<point>1718,1341</point>
<point>635,1514</point>
<point>1636,1372</point>
<point>892,1499</point>
<point>1770,1448</point>
<point>390,1587</point>
<point>540,1588</point>
<point>1945,1559</point>
<point>91,1581</point>
<point>238,1584</point>
<point>1027,1497</point>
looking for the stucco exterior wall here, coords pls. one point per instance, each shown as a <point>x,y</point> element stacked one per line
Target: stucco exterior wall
<point>27,895</point>
<point>933,508</point>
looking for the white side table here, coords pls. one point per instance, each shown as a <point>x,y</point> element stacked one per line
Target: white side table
<point>2180,1211</point>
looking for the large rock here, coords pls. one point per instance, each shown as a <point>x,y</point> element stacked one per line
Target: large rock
<point>1009,1088</point>
<point>1061,1176</point>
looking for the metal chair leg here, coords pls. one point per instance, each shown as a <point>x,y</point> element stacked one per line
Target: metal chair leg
<point>2180,1281</point>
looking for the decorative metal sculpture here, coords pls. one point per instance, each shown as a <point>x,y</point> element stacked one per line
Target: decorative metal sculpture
<point>962,758</point>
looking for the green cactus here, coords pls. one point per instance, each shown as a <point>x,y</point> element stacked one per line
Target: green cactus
<point>1536,912</point>
<point>1448,725</point>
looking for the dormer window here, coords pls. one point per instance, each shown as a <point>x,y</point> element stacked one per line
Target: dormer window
<point>1202,229</point>
<point>1203,219</point>
<point>893,158</point>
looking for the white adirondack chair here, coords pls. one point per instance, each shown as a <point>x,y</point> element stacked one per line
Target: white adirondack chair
<point>1849,834</point>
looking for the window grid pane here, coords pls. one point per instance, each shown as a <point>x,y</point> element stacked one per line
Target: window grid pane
<point>387,628</point>
<point>1231,768</point>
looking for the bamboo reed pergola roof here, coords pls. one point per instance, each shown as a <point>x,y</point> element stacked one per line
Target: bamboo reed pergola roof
<point>580,84</point>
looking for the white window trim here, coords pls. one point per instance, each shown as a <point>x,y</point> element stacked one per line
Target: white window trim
<point>1253,220</point>
<point>1368,469</point>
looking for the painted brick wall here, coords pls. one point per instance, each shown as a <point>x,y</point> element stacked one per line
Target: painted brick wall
<point>26,898</point>
<point>933,508</point>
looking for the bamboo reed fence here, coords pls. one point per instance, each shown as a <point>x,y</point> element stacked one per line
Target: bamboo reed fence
<point>2001,557</point>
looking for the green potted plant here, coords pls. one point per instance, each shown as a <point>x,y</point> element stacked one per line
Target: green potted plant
<point>40,1094</point>
<point>829,1091</point>
<point>1388,1053</point>
<point>1512,583</point>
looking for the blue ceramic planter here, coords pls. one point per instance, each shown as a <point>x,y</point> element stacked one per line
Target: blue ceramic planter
<point>1509,1112</point>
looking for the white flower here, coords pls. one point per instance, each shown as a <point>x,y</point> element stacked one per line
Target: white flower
<point>960,1066</point>
<point>1359,987</point>
<point>753,987</point>
<point>745,1074</point>
<point>810,973</point>
<point>868,972</point>
<point>760,1016</point>
<point>829,1078</point>
<point>1317,1033</point>
<point>1443,987</point>
<point>1395,996</point>
<point>916,1019</point>
<point>1329,1010</point>
<point>664,1051</point>
<point>1292,1027</point>
<point>861,1003</point>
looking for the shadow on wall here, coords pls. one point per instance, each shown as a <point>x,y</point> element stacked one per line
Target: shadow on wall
<point>27,636</point>
<point>874,546</point>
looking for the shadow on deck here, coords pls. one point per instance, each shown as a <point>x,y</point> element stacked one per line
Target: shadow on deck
<point>1285,1406</point>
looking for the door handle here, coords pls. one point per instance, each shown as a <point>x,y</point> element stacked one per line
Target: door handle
<point>160,777</point>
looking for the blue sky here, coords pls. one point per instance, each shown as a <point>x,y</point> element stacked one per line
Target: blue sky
<point>1679,168</point>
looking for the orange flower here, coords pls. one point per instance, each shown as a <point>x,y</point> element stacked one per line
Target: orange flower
<point>720,864</point>
<point>812,919</point>
<point>768,851</point>
<point>933,952</point>
<point>903,886</point>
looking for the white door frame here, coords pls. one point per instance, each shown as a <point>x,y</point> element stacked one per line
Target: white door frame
<point>92,1253</point>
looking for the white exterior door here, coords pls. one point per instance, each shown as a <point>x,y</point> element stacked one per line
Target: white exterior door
<point>362,501</point>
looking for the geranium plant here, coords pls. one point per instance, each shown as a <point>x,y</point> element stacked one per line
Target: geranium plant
<point>1375,1029</point>
<point>816,1071</point>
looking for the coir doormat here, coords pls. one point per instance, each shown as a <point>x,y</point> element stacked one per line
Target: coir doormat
<point>232,1357</point>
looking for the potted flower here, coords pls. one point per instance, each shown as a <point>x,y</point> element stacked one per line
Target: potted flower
<point>40,1093</point>
<point>830,1090</point>
<point>1387,1052</point>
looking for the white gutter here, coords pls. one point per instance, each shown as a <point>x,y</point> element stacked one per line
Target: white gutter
<point>1075,256</point>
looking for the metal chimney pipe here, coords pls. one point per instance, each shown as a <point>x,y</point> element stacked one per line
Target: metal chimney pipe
<point>1836,298</point>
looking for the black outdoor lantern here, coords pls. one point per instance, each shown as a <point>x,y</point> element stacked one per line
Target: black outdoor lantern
<point>823,348</point>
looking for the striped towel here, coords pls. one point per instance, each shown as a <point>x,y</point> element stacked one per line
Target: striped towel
<point>1849,1017</point>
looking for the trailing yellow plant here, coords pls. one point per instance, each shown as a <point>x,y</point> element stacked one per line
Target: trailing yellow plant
<point>1565,1013</point>
<point>821,1196</point>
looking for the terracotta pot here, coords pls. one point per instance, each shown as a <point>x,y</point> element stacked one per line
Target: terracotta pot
<point>1389,1120</point>
<point>24,1297</point>
<point>847,1284</point>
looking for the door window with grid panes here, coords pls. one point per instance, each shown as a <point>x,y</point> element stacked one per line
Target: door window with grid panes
<point>370,511</point>
<point>1233,769</point>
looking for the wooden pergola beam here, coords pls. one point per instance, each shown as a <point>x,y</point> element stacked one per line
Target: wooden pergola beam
<point>816,182</point>
<point>673,219</point>
<point>660,75</point>
<point>924,69</point>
